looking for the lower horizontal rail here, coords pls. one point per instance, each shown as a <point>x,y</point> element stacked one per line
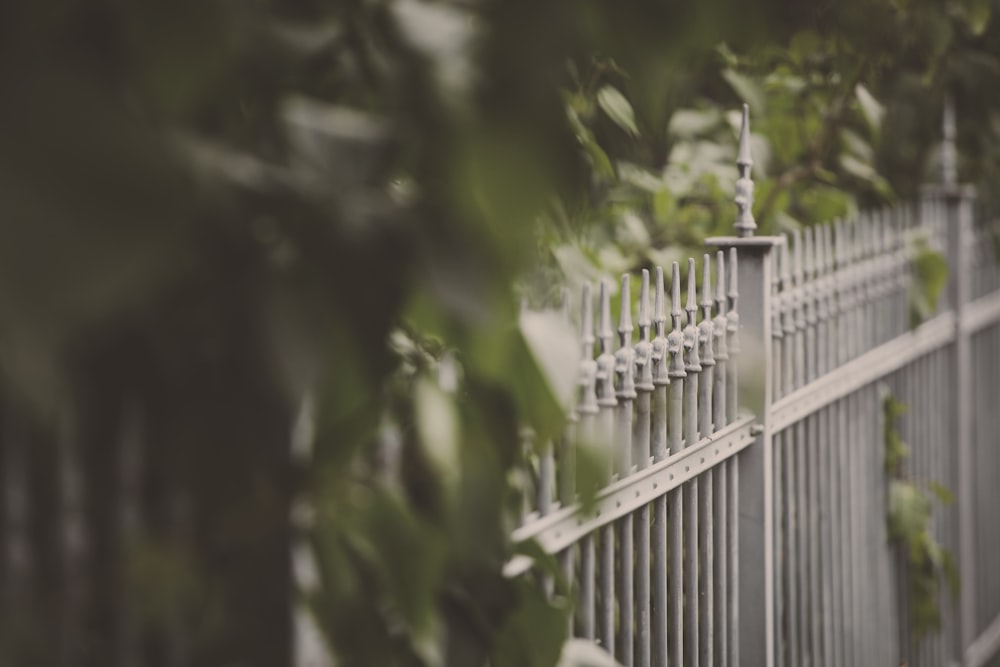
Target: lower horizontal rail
<point>562,528</point>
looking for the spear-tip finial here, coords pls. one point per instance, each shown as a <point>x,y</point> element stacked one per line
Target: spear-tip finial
<point>675,297</point>
<point>644,321</point>
<point>625,312</point>
<point>692,296</point>
<point>587,322</point>
<point>660,309</point>
<point>706,287</point>
<point>604,333</point>
<point>720,281</point>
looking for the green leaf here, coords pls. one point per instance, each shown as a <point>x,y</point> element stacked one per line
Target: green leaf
<point>584,653</point>
<point>554,346</point>
<point>437,425</point>
<point>534,635</point>
<point>872,110</point>
<point>943,494</point>
<point>618,109</point>
<point>689,123</point>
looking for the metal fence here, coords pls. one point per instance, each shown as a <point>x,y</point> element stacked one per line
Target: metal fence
<point>744,519</point>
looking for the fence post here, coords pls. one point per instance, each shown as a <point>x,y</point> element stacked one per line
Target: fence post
<point>753,630</point>
<point>958,201</point>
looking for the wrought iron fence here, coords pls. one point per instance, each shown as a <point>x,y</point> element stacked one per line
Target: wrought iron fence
<point>744,516</point>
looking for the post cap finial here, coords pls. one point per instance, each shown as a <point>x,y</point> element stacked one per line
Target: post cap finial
<point>745,224</point>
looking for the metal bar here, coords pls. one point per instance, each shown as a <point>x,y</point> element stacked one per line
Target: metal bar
<point>731,467</point>
<point>587,594</point>
<point>720,516</point>
<point>693,368</point>
<point>644,385</point>
<point>706,488</point>
<point>781,611</point>
<point>661,378</point>
<point>675,344</point>
<point>625,361</point>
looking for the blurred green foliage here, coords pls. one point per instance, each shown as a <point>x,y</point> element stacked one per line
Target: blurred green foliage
<point>220,208</point>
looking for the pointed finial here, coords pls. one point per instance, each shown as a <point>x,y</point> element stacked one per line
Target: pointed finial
<point>587,382</point>
<point>675,340</point>
<point>692,297</point>
<point>625,356</point>
<point>644,321</point>
<point>675,298</point>
<point>692,357</point>
<point>625,313</point>
<point>587,322</point>
<point>949,167</point>
<point>720,282</point>
<point>605,374</point>
<point>604,332</point>
<point>706,288</point>
<point>745,224</point>
<point>808,251</point>
<point>660,309</point>
<point>797,256</point>
<point>706,330</point>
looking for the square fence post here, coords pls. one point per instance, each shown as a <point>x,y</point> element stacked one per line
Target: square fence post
<point>753,636</point>
<point>958,202</point>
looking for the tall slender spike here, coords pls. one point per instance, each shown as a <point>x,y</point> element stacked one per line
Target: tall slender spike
<point>720,282</point>
<point>745,224</point>
<point>949,166</point>
<point>644,320</point>
<point>606,359</point>
<point>706,334</point>
<point>659,349</point>
<point>604,333</point>
<point>706,288</point>
<point>645,354</point>
<point>587,382</point>
<point>675,340</point>
<point>675,298</point>
<point>692,295</point>
<point>660,314</point>
<point>797,257</point>
<point>625,356</point>
<point>809,253</point>
<point>692,357</point>
<point>587,322</point>
<point>625,313</point>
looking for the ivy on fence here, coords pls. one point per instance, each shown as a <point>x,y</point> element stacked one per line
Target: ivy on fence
<point>908,519</point>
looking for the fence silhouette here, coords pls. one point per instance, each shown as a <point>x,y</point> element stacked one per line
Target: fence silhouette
<point>744,519</point>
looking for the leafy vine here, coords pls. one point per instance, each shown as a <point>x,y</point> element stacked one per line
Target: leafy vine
<point>910,505</point>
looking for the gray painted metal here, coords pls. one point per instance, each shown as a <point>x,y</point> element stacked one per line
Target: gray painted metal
<point>793,497</point>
